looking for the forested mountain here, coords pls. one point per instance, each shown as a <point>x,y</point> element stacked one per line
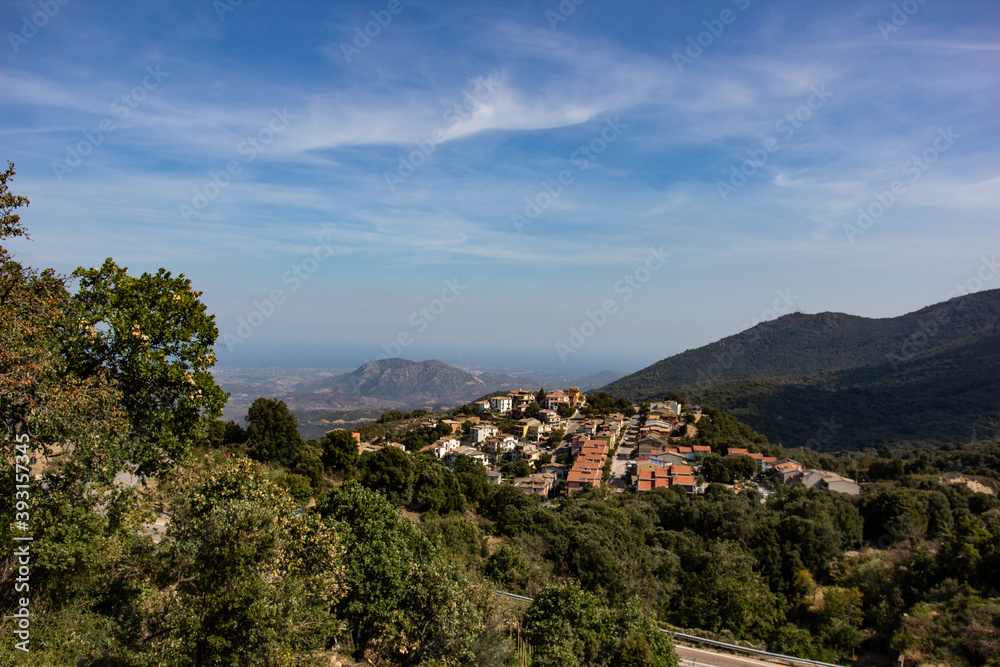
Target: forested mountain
<point>921,378</point>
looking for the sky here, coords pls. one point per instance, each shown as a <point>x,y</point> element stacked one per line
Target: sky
<point>574,186</point>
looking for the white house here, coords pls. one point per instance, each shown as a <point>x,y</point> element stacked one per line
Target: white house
<point>556,398</point>
<point>480,432</point>
<point>501,404</point>
<point>499,444</point>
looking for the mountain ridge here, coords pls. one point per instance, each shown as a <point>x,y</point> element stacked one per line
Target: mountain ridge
<point>396,383</point>
<point>923,377</point>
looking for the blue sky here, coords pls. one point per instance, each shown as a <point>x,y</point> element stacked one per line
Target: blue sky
<point>539,186</point>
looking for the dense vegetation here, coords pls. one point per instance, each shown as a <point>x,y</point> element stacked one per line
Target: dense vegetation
<point>113,377</point>
<point>926,378</point>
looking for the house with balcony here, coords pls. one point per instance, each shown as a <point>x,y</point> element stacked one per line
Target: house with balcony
<point>481,432</point>
<point>501,404</point>
<point>556,398</point>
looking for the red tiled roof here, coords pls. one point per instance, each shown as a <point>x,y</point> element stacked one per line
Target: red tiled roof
<point>684,480</point>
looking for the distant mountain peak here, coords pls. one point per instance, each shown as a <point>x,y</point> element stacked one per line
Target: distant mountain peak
<point>396,383</point>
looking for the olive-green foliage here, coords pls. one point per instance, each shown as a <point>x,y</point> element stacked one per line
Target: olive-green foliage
<point>306,461</point>
<point>389,471</point>
<point>516,469</point>
<point>894,514</point>
<point>603,403</point>
<point>728,469</point>
<point>725,591</point>
<point>472,478</point>
<point>508,567</point>
<point>804,529</point>
<point>962,631</point>
<point>454,535</point>
<point>340,450</point>
<point>272,430</point>
<point>298,487</point>
<point>404,602</point>
<point>508,507</point>
<point>567,628</point>
<point>720,431</point>
<point>436,488</point>
<point>153,337</point>
<point>382,547</point>
<point>245,578</point>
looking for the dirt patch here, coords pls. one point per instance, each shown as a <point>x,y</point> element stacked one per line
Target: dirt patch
<point>492,543</point>
<point>980,485</point>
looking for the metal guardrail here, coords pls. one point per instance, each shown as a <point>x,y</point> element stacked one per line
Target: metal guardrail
<point>743,649</point>
<point>694,639</point>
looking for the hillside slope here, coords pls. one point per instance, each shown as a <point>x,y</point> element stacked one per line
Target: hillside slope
<point>926,377</point>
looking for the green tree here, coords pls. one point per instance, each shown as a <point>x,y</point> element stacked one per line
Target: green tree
<point>436,489</point>
<point>508,507</point>
<point>728,593</point>
<point>247,578</point>
<point>508,567</point>
<point>306,461</point>
<point>390,471</point>
<point>152,337</point>
<point>516,469</point>
<point>404,603</point>
<point>567,628</point>
<point>272,430</point>
<point>532,410</point>
<point>454,535</point>
<point>340,451</point>
<point>298,487</point>
<point>472,478</point>
<point>563,627</point>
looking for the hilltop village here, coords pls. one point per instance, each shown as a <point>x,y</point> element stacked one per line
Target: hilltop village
<point>557,443</point>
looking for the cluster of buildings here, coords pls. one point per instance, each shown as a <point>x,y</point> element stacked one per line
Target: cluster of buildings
<point>664,453</point>
<point>792,472</point>
<point>516,403</point>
